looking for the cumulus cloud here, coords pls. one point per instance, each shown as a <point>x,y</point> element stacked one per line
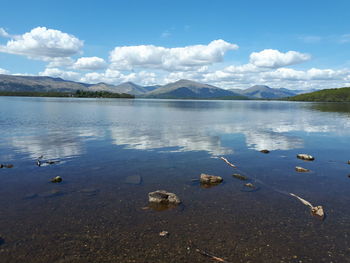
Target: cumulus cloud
<point>170,59</point>
<point>90,63</point>
<point>117,77</point>
<point>4,71</point>
<point>58,73</point>
<point>44,44</point>
<point>271,58</point>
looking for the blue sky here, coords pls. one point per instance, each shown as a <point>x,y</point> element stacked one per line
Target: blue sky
<point>231,44</point>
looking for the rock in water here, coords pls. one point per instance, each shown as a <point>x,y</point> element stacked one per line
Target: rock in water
<point>264,151</point>
<point>210,179</point>
<point>133,179</point>
<point>164,234</point>
<point>349,162</point>
<point>163,197</point>
<point>305,157</point>
<point>318,211</point>
<point>250,185</point>
<point>301,169</point>
<point>240,177</point>
<point>56,179</point>
<point>1,165</point>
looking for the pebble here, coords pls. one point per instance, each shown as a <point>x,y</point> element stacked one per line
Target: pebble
<point>164,234</point>
<point>56,179</point>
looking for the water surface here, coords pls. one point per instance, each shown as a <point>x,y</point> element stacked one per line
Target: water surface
<point>95,216</point>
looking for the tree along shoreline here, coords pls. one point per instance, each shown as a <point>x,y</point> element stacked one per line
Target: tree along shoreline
<point>77,94</point>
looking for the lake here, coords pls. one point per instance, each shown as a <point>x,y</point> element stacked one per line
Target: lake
<point>98,213</point>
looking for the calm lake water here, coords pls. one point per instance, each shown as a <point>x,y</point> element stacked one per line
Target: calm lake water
<point>95,215</point>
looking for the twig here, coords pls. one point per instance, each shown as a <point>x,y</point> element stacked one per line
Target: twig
<point>302,200</point>
<point>226,161</point>
<point>206,254</point>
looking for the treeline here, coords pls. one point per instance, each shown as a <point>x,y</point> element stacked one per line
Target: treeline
<point>326,95</point>
<point>77,94</point>
<point>101,94</point>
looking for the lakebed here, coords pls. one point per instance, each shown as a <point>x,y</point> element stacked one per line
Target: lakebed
<point>97,214</point>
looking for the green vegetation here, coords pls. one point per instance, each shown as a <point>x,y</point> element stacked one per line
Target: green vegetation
<point>77,94</point>
<point>326,95</point>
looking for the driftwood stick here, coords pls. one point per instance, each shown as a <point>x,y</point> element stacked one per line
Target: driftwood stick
<point>206,254</point>
<point>226,161</point>
<point>302,200</point>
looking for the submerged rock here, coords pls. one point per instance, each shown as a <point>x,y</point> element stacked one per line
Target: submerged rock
<point>301,169</point>
<point>164,234</point>
<point>30,196</point>
<point>6,165</point>
<point>89,191</point>
<point>163,197</point>
<point>240,177</point>
<point>250,185</point>
<point>264,151</point>
<point>56,179</point>
<point>349,162</point>
<point>305,157</point>
<point>133,179</point>
<point>318,212</point>
<point>210,179</point>
<point>52,193</point>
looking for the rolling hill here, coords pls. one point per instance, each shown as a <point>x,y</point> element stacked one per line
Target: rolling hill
<point>326,95</point>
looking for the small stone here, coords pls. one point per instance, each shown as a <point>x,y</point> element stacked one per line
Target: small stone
<point>240,177</point>
<point>264,151</point>
<point>164,234</point>
<point>56,179</point>
<point>210,179</point>
<point>250,185</point>
<point>301,169</point>
<point>163,197</point>
<point>305,157</point>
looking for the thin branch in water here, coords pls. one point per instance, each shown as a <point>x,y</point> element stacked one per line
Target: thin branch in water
<point>226,161</point>
<point>206,254</point>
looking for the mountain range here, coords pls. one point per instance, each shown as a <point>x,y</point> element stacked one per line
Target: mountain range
<point>181,89</point>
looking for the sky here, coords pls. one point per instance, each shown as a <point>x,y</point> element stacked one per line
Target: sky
<point>230,44</point>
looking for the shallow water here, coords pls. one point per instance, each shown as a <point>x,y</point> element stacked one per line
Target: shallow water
<point>97,215</point>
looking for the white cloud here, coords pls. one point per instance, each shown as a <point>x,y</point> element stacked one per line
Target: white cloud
<point>4,71</point>
<point>170,59</point>
<point>58,73</point>
<point>44,44</point>
<point>271,58</point>
<point>60,62</point>
<point>3,33</point>
<point>117,77</point>
<point>90,63</point>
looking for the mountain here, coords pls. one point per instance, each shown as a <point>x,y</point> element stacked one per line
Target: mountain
<point>38,84</point>
<point>331,95</point>
<point>48,84</point>
<point>187,89</point>
<point>264,92</point>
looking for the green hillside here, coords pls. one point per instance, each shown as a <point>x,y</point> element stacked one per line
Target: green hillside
<point>328,95</point>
